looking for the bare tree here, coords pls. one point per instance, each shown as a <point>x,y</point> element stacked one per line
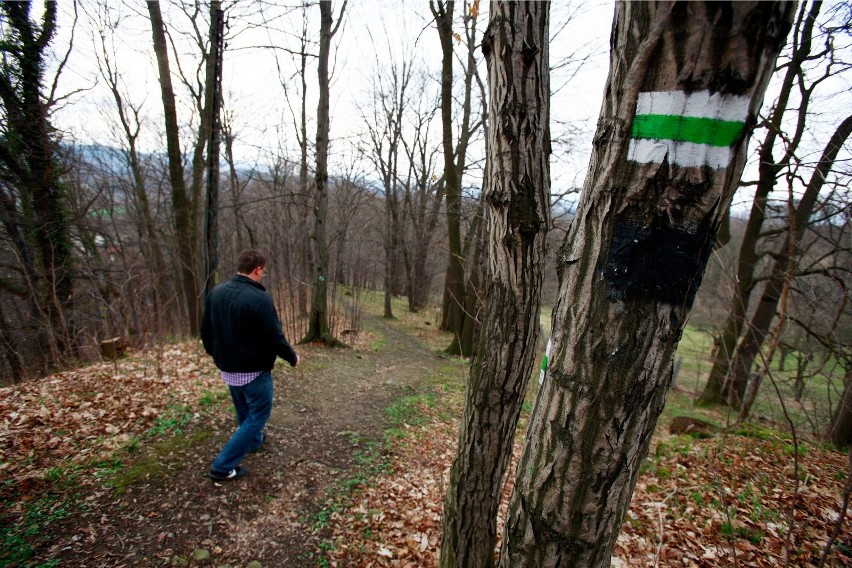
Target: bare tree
<point>784,268</point>
<point>128,113</point>
<point>295,91</point>
<point>237,185</point>
<point>383,147</point>
<point>804,49</point>
<point>455,161</point>
<point>516,202</point>
<point>318,328</point>
<point>213,104</point>
<point>182,202</point>
<point>686,80</point>
<point>423,196</point>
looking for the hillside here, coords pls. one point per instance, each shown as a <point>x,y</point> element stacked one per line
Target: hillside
<point>103,467</point>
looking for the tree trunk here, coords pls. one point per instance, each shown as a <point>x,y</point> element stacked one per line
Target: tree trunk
<point>152,247</point>
<point>213,99</point>
<point>782,270</point>
<point>516,201</point>
<point>454,284</point>
<point>306,260</point>
<point>318,328</point>
<point>422,199</point>
<point>718,387</point>
<point>726,343</point>
<point>181,203</point>
<point>472,289</point>
<point>237,188</point>
<point>686,80</point>
<point>454,313</point>
<point>425,218</point>
<point>390,248</point>
<point>17,368</point>
<point>840,431</point>
<point>384,131</point>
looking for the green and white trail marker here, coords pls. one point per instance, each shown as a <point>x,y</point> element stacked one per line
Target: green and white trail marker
<point>544,362</point>
<point>691,129</point>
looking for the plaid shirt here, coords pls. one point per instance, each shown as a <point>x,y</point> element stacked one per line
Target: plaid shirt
<point>239,379</point>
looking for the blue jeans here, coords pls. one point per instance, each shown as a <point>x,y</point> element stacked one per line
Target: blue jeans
<point>253,403</point>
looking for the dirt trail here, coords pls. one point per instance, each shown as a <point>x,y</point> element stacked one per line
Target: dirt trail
<point>325,410</point>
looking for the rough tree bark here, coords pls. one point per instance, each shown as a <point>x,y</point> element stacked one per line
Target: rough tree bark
<point>212,104</point>
<point>685,82</point>
<point>516,201</point>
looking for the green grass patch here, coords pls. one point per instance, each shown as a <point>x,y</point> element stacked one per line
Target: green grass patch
<point>406,410</point>
<point>210,398</point>
<point>731,532</point>
<point>370,462</point>
<point>151,465</point>
<point>676,445</point>
<point>108,467</point>
<point>36,522</point>
<point>764,433</point>
<point>790,449</point>
<point>175,418</point>
<point>546,319</point>
<point>698,498</point>
<point>379,344</point>
<point>822,386</point>
<point>693,352</point>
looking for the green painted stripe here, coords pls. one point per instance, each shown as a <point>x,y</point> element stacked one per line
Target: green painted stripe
<point>693,129</point>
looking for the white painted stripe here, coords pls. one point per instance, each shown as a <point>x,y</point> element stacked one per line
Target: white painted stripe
<point>701,104</point>
<point>683,154</point>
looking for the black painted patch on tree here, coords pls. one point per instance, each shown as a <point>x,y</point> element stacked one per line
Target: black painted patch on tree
<point>657,263</point>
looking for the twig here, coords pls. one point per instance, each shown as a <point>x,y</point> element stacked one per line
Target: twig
<point>792,520</point>
<point>660,506</point>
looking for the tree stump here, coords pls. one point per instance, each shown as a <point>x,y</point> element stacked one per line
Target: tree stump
<point>692,427</point>
<point>113,349</point>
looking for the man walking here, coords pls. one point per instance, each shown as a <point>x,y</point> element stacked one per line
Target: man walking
<point>242,332</point>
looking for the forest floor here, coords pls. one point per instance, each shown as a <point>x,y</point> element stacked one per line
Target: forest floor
<point>103,466</point>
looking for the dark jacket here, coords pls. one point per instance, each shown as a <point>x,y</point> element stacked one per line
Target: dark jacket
<point>241,329</point>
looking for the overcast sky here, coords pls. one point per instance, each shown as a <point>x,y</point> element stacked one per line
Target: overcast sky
<point>374,32</point>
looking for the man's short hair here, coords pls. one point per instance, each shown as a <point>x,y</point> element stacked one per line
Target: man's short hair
<point>249,260</point>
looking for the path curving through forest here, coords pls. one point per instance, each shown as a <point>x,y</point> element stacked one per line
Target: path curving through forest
<point>328,410</point>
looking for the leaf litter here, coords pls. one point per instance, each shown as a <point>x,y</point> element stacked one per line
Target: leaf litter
<point>698,503</point>
<point>727,501</point>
